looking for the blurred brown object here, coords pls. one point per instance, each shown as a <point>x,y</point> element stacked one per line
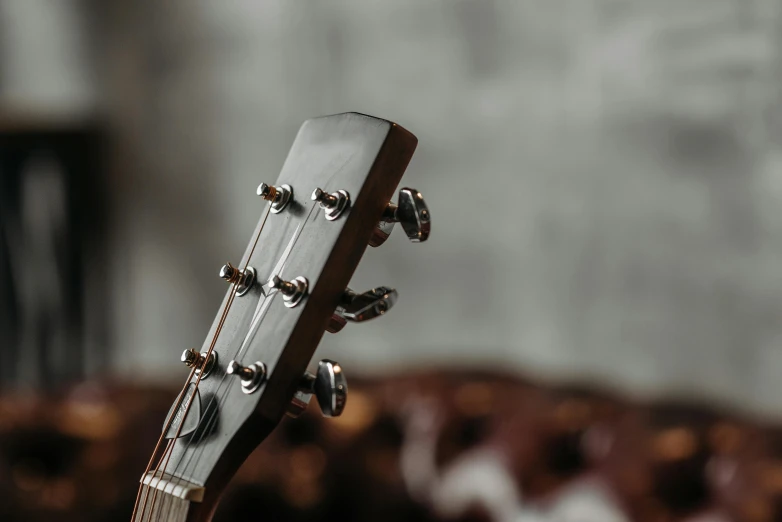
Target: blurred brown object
<point>657,460</point>
<point>450,446</point>
<point>345,468</point>
<point>746,472</point>
<point>76,455</point>
<point>551,438</point>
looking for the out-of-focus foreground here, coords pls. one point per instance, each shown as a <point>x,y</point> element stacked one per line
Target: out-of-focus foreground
<point>605,182</point>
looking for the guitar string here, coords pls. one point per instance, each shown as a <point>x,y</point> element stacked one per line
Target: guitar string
<point>217,396</point>
<point>190,402</point>
<point>219,328</point>
<point>167,426</point>
<point>151,486</point>
<point>152,458</point>
<point>176,478</point>
<point>247,263</point>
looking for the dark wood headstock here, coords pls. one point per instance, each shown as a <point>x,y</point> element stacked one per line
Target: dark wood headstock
<point>358,154</point>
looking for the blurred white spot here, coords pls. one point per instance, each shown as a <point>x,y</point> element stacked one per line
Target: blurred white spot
<point>478,478</point>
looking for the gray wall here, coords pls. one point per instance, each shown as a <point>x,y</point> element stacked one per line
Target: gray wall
<point>604,178</point>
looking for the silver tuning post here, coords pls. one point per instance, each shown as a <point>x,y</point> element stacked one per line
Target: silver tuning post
<point>357,308</point>
<point>243,279</point>
<point>279,196</point>
<point>199,361</point>
<point>411,212</point>
<point>292,291</point>
<point>334,204</point>
<point>329,387</point>
<point>251,377</point>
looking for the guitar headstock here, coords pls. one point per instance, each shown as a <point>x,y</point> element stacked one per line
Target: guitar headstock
<point>331,200</point>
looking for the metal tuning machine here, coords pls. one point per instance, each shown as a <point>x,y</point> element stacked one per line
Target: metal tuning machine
<point>193,359</point>
<point>251,377</point>
<point>411,212</point>
<point>357,308</point>
<point>279,196</point>
<point>243,279</point>
<point>334,204</point>
<point>328,385</point>
<point>292,291</point>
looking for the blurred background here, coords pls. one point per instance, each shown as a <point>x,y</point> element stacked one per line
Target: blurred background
<point>595,316</point>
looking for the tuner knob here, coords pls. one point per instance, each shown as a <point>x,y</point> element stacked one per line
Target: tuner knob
<point>251,376</point>
<point>411,212</point>
<point>334,204</point>
<point>329,387</point>
<point>373,303</point>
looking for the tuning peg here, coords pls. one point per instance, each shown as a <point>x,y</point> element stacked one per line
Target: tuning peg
<point>411,212</point>
<point>292,291</point>
<point>373,303</point>
<point>329,387</point>
<point>243,279</point>
<point>334,204</point>
<point>251,377</point>
<point>357,308</point>
<point>193,359</point>
<point>279,196</point>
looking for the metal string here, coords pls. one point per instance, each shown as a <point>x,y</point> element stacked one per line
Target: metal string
<point>150,486</point>
<point>190,402</point>
<point>157,446</point>
<point>169,448</point>
<point>245,343</point>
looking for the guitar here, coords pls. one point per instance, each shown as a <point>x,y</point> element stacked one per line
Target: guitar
<point>330,201</point>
